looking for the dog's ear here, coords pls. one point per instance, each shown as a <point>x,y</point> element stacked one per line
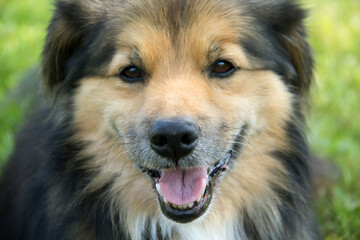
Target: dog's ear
<point>289,26</point>
<point>66,35</point>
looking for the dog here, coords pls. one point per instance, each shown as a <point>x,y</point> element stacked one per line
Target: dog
<point>167,119</point>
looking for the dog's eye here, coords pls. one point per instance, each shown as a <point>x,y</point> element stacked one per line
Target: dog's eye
<point>222,68</point>
<point>131,74</point>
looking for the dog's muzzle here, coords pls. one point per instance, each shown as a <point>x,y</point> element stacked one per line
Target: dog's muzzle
<point>184,191</point>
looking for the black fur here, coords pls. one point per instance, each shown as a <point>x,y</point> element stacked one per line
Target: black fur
<point>46,163</point>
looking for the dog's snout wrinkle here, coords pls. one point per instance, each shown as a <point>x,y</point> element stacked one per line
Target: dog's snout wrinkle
<point>174,138</point>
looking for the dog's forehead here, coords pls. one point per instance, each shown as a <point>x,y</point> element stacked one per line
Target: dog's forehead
<point>175,15</point>
<point>179,29</point>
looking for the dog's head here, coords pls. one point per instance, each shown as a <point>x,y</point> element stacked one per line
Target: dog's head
<point>173,95</point>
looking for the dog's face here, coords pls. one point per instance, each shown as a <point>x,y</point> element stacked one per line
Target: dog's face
<point>172,96</point>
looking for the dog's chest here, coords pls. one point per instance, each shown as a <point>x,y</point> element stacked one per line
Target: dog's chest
<point>165,229</point>
<point>209,233</point>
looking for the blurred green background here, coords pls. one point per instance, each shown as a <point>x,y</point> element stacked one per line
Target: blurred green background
<point>334,120</point>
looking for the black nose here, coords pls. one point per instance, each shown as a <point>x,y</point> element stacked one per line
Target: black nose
<point>174,138</point>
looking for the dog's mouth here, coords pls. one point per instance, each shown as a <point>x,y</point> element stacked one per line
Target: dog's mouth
<point>185,193</point>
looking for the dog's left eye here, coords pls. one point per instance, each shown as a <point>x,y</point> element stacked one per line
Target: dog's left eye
<point>222,68</point>
<point>131,74</point>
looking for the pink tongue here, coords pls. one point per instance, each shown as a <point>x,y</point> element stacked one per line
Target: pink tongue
<point>182,186</point>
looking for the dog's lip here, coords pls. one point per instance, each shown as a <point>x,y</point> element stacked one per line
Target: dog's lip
<point>187,215</point>
<point>212,171</point>
<point>198,207</point>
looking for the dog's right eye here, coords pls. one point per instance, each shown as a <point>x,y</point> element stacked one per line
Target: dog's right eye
<point>131,74</point>
<point>222,68</point>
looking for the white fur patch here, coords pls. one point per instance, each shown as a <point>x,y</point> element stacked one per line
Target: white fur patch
<point>197,230</point>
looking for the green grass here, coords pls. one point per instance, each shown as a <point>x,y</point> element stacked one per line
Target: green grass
<point>22,31</point>
<point>334,129</point>
<point>334,121</point>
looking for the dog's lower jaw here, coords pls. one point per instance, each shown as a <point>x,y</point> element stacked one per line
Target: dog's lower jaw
<point>187,215</point>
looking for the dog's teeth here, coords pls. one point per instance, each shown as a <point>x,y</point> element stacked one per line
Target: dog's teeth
<point>174,205</point>
<point>166,201</point>
<point>203,186</point>
<point>190,205</point>
<point>182,207</point>
<point>158,189</point>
